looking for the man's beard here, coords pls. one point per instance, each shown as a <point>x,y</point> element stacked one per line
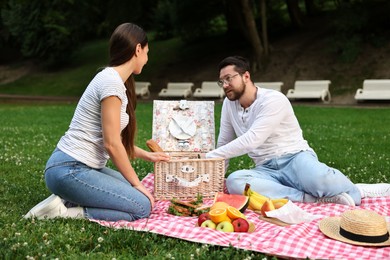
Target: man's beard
<point>236,94</point>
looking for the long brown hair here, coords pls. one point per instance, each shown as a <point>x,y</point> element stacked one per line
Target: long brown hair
<point>123,44</point>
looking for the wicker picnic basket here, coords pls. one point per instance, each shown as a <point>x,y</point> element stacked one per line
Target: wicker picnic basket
<point>186,130</point>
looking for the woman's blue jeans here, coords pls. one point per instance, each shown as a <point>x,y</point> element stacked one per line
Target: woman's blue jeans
<point>104,193</point>
<point>292,176</point>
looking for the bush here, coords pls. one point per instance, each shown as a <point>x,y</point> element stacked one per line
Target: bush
<point>48,31</point>
<point>357,23</point>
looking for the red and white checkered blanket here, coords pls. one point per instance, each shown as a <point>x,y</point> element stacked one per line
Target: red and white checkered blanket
<point>297,241</point>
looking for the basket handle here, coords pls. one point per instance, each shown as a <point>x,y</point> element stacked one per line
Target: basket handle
<point>186,183</point>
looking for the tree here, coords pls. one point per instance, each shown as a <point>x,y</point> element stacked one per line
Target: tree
<point>310,7</point>
<point>190,20</point>
<point>295,13</point>
<point>49,31</point>
<point>264,26</point>
<point>253,36</point>
<point>140,12</point>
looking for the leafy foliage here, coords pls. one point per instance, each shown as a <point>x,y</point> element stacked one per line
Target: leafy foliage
<point>181,18</point>
<point>357,23</point>
<point>50,31</point>
<point>47,30</point>
<point>163,20</point>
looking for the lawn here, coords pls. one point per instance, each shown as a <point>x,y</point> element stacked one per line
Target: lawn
<point>354,140</point>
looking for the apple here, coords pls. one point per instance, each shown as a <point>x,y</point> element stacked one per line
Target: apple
<point>267,206</point>
<point>240,225</point>
<point>208,224</point>
<point>225,226</point>
<point>202,218</point>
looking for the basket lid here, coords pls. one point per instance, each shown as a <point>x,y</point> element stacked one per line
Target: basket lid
<point>183,125</point>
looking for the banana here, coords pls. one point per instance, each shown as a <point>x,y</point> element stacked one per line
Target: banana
<point>256,204</point>
<point>258,196</point>
<point>256,200</point>
<point>278,203</point>
<point>284,201</point>
<point>250,193</point>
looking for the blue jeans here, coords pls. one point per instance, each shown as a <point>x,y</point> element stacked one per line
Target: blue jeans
<point>104,193</point>
<point>292,176</point>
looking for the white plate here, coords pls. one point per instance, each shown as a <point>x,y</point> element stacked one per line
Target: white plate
<point>182,127</point>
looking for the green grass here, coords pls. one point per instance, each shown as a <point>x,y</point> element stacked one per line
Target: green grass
<point>74,77</point>
<point>72,80</point>
<point>351,139</point>
<point>168,59</point>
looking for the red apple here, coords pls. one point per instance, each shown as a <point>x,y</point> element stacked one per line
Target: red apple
<point>203,217</point>
<point>208,224</point>
<point>240,225</point>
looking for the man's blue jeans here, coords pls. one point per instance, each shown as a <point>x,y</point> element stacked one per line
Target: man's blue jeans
<point>292,176</point>
<point>104,193</point>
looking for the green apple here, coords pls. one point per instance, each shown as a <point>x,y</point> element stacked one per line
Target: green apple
<point>208,224</point>
<point>225,226</point>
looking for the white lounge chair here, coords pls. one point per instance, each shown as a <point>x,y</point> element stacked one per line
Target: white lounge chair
<point>270,85</point>
<point>209,89</point>
<point>177,89</point>
<point>310,89</point>
<point>142,89</point>
<point>374,89</point>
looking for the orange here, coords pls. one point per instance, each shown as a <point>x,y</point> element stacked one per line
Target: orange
<point>227,218</point>
<point>218,215</point>
<point>233,213</point>
<point>219,205</point>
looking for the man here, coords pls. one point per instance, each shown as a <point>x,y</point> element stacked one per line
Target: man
<point>261,123</point>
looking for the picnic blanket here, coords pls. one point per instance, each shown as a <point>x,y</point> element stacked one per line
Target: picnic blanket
<point>303,240</point>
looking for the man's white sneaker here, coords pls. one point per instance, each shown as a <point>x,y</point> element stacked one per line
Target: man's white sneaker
<point>49,208</point>
<point>342,198</point>
<point>374,190</point>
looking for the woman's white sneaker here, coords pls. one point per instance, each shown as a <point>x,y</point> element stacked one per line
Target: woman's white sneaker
<point>342,198</point>
<point>374,190</point>
<point>51,207</point>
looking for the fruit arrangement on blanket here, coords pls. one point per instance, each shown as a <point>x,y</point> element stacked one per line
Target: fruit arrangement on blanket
<point>227,214</point>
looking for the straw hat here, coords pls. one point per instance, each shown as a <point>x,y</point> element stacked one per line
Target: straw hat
<point>357,227</point>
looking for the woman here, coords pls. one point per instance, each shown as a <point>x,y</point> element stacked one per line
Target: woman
<point>103,127</point>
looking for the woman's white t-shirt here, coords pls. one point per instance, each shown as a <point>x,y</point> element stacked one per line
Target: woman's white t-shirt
<point>84,139</point>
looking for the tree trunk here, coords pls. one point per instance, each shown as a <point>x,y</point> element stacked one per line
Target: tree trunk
<point>295,13</point>
<point>234,19</point>
<point>310,7</point>
<point>253,35</point>
<point>264,27</point>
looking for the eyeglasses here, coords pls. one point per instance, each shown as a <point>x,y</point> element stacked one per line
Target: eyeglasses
<point>226,80</point>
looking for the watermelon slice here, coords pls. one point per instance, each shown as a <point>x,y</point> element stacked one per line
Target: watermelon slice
<point>238,201</point>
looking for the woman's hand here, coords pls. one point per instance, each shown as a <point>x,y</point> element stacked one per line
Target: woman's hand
<point>158,157</point>
<point>147,193</point>
<point>151,156</point>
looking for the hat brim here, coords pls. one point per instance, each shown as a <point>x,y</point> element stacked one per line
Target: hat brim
<point>331,226</point>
